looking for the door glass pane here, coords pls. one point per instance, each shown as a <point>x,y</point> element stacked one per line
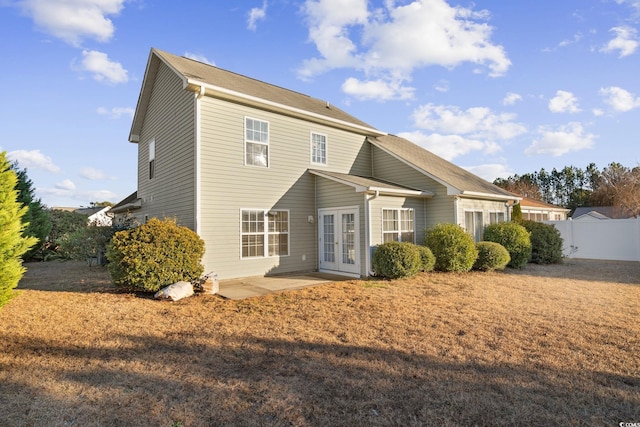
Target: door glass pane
<point>348,239</point>
<point>328,238</point>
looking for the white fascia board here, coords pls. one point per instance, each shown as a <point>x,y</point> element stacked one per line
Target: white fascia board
<point>474,194</point>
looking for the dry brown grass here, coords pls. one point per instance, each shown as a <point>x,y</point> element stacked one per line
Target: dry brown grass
<point>554,345</point>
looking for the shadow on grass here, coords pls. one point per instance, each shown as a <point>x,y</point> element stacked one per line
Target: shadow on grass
<point>624,272</point>
<point>250,380</point>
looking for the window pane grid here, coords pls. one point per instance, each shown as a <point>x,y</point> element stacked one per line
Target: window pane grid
<point>318,149</point>
<point>397,225</point>
<point>256,142</point>
<point>260,226</point>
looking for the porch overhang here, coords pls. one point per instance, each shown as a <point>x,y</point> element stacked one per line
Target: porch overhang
<point>371,185</point>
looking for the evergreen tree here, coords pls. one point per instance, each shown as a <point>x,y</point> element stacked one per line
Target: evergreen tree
<point>12,242</point>
<point>37,216</point>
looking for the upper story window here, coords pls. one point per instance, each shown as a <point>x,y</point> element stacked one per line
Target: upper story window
<point>398,225</point>
<point>318,149</point>
<point>256,142</point>
<point>152,158</point>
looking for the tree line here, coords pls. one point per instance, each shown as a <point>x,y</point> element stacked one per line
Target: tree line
<point>571,187</point>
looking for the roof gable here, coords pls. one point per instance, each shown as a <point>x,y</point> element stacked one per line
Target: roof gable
<point>207,79</point>
<point>457,180</point>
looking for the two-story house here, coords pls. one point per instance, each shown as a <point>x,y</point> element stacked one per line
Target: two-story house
<point>276,181</point>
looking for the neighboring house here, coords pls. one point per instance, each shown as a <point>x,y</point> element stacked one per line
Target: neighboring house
<point>275,181</point>
<point>536,210</point>
<point>123,211</point>
<point>98,215</point>
<point>599,212</point>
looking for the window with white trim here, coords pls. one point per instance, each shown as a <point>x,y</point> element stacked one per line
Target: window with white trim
<point>256,142</point>
<point>496,217</point>
<point>398,225</point>
<point>264,233</point>
<point>318,149</point>
<point>474,224</point>
<point>152,159</point>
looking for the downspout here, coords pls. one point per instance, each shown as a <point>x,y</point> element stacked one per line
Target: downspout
<point>198,178</point>
<point>455,210</point>
<point>367,240</point>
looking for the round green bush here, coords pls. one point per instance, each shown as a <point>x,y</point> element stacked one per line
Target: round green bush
<point>546,242</point>
<point>154,255</point>
<point>427,258</point>
<point>514,237</point>
<point>395,260</point>
<point>454,248</point>
<point>491,256</point>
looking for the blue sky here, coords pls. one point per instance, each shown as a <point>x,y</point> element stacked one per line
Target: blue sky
<point>498,87</point>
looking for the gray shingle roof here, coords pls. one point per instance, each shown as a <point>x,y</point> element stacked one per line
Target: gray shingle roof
<point>454,177</point>
<point>210,75</point>
<point>370,184</point>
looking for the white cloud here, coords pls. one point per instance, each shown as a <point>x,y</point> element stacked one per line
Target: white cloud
<point>490,171</point>
<point>511,98</point>
<point>397,39</point>
<point>442,86</point>
<point>116,112</point>
<point>198,57</point>
<point>448,146</point>
<point>556,142</point>
<point>564,102</point>
<point>74,20</point>
<point>94,174</point>
<point>597,112</point>
<point>102,68</point>
<point>256,14</point>
<point>65,185</point>
<point>619,99</point>
<point>33,159</point>
<point>377,89</point>
<point>476,122</point>
<point>626,41</point>
<point>67,189</point>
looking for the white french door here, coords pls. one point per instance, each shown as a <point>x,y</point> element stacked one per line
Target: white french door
<point>339,240</point>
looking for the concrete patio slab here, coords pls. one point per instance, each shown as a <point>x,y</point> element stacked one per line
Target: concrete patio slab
<point>254,286</point>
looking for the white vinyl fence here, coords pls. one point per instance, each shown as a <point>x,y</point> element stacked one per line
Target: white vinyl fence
<point>611,239</point>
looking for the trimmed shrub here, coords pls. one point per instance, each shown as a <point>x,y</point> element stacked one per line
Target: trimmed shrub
<point>154,255</point>
<point>454,248</point>
<point>491,256</point>
<point>516,213</point>
<point>514,237</point>
<point>546,242</point>
<point>395,260</point>
<point>427,258</point>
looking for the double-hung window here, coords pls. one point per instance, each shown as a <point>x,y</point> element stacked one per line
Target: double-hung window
<point>398,225</point>
<point>474,224</point>
<point>318,149</point>
<point>256,142</point>
<point>264,233</point>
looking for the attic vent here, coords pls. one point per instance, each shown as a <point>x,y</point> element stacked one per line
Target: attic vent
<point>328,105</point>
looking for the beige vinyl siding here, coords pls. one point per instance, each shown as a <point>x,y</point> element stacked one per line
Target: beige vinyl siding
<point>169,121</point>
<point>388,202</point>
<point>227,185</point>
<point>438,209</point>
